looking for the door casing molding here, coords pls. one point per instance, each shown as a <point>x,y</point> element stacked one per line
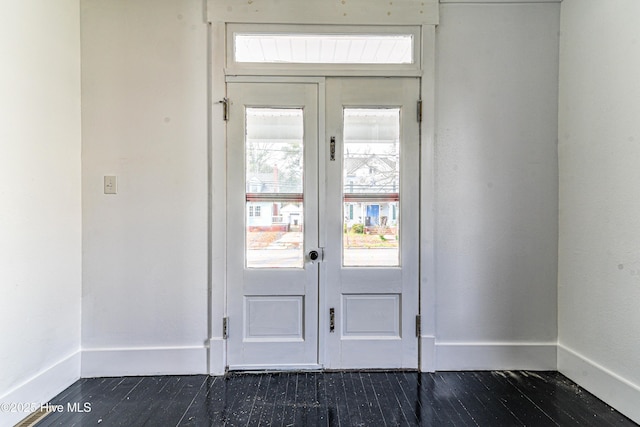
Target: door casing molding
<point>352,12</point>
<point>217,79</point>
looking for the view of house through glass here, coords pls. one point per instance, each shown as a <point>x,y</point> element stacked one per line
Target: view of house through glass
<point>274,187</point>
<point>371,187</point>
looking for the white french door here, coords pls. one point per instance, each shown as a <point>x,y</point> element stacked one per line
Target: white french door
<point>352,303</point>
<point>272,193</point>
<point>371,270</point>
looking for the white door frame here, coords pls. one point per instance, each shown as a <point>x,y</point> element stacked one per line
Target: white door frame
<point>218,181</point>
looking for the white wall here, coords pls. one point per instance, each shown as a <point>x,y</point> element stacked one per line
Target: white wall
<point>40,212</point>
<point>599,152</point>
<point>144,106</point>
<point>496,186</point>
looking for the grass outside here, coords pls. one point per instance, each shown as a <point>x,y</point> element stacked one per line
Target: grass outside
<point>356,240</point>
<point>262,239</point>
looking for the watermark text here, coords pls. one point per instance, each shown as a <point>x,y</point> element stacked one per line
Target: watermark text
<point>29,407</point>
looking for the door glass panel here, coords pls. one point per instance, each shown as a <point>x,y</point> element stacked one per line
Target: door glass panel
<point>371,187</point>
<point>274,187</point>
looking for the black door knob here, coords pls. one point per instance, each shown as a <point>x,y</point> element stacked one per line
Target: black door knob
<point>313,255</point>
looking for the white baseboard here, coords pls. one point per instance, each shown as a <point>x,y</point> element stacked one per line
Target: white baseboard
<point>41,387</point>
<point>107,362</point>
<point>603,383</point>
<point>427,353</point>
<point>217,356</point>
<point>483,356</point>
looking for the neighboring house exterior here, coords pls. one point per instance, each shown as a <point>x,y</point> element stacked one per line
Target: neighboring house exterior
<point>371,174</point>
<point>364,174</point>
<point>270,215</point>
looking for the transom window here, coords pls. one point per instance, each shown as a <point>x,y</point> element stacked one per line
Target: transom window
<point>323,46</point>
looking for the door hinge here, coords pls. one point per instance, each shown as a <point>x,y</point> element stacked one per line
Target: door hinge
<point>332,319</point>
<point>418,328</point>
<point>419,110</point>
<point>225,108</point>
<point>225,328</point>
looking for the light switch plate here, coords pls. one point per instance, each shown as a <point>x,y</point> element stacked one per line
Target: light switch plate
<point>110,185</point>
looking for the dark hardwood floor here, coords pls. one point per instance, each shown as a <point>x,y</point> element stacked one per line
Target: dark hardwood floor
<point>514,398</point>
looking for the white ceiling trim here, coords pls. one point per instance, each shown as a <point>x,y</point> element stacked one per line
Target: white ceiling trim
<point>500,1</point>
<point>344,12</point>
